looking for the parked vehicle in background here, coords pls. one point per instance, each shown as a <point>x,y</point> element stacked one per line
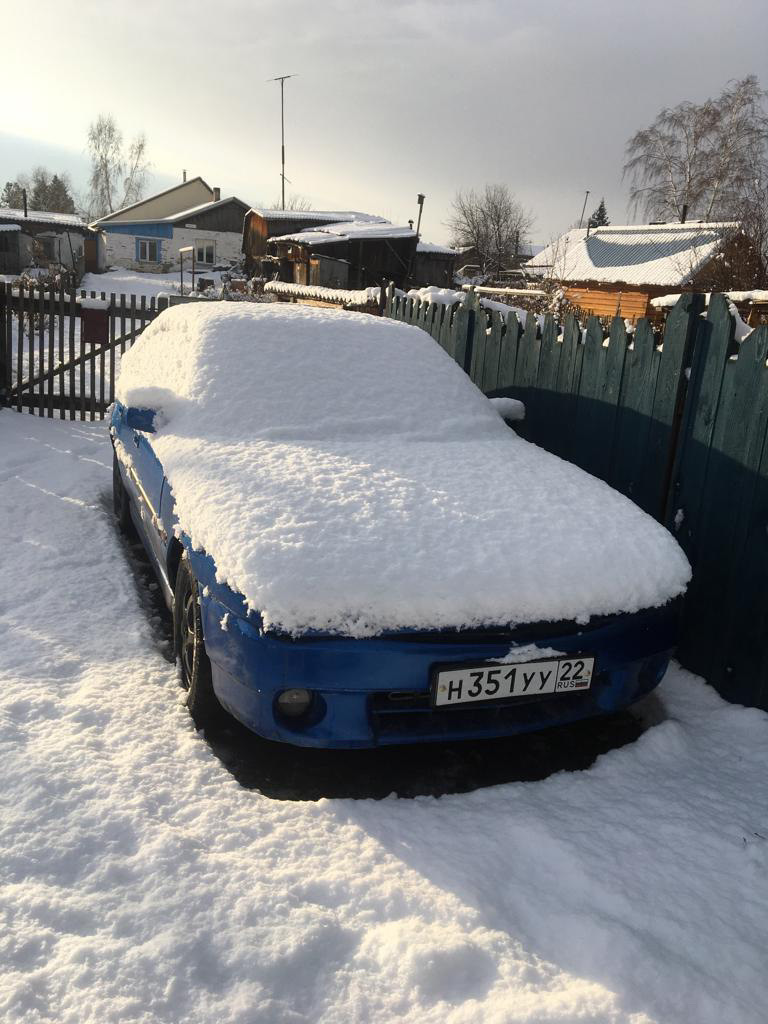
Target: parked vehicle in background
<point>357,548</point>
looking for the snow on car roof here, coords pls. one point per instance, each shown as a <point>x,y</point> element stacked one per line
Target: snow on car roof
<point>346,475</point>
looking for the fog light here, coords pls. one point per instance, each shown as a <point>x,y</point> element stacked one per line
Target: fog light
<point>293,703</point>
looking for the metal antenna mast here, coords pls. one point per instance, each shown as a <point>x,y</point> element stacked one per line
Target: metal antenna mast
<point>281,79</point>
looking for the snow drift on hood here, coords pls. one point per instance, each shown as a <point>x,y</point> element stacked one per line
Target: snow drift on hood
<point>346,475</point>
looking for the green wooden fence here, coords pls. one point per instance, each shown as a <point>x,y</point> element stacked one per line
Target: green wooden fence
<point>676,421</point>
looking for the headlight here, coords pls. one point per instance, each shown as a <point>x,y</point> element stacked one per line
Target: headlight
<point>293,703</point>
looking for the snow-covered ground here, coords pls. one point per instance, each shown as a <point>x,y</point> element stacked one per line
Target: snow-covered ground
<point>140,883</point>
<point>132,282</point>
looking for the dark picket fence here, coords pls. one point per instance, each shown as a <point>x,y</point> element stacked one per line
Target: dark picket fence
<point>58,350</point>
<point>677,421</point>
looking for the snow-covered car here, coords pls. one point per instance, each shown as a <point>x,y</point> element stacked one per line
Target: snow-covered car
<point>359,550</point>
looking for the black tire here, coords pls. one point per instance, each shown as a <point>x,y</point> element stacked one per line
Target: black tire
<point>121,502</point>
<point>190,648</point>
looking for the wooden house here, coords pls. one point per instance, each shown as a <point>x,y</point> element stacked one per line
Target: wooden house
<point>147,235</point>
<point>259,226</point>
<point>617,270</point>
<point>373,250</point>
<point>434,264</point>
<point>38,238</point>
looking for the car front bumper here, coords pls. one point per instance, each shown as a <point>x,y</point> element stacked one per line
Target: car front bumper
<point>375,691</point>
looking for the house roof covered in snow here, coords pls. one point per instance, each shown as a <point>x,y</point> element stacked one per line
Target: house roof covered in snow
<point>70,220</point>
<point>432,247</point>
<point>317,216</point>
<point>203,208</point>
<point>344,231</point>
<point>642,254</point>
<point>192,185</point>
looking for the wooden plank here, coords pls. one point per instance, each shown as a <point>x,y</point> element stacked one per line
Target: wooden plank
<point>508,352</point>
<point>20,344</point>
<point>61,317</point>
<point>490,380</point>
<point>51,304</point>
<point>714,342</point>
<point>82,358</point>
<point>41,349</point>
<point>102,371</point>
<point>634,412</point>
<point>5,340</point>
<point>122,323</point>
<point>735,455</point>
<point>462,330</point>
<point>544,413</point>
<point>71,324</point>
<point>112,347</point>
<point>479,339</point>
<point>655,479</point>
<point>740,650</point>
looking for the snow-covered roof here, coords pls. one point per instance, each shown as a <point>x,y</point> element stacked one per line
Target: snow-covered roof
<point>42,217</point>
<point>10,227</point>
<point>650,254</point>
<point>345,231</point>
<point>201,208</point>
<point>432,247</point>
<point>345,498</point>
<point>320,216</point>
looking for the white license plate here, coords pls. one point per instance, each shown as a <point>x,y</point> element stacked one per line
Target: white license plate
<point>463,684</point>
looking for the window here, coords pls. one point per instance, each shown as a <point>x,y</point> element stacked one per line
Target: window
<point>204,248</point>
<point>149,250</point>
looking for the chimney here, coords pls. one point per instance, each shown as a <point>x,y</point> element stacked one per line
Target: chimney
<point>24,197</point>
<point>184,175</point>
<point>216,194</point>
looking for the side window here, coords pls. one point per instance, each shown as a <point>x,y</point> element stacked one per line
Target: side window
<point>148,250</point>
<point>204,250</point>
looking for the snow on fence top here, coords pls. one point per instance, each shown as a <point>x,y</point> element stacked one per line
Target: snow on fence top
<point>644,254</point>
<point>344,296</point>
<point>346,475</point>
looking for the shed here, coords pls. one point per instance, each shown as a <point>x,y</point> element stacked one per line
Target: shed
<point>375,249</point>
<point>43,239</point>
<point>260,225</point>
<point>619,269</point>
<point>434,264</point>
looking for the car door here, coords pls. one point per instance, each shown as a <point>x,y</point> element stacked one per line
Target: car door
<point>145,483</point>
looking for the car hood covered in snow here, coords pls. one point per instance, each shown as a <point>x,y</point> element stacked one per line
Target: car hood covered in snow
<point>346,475</point>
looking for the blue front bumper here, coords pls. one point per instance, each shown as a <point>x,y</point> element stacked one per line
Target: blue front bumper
<point>375,691</point>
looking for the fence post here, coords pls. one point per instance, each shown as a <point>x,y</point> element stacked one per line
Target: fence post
<point>5,344</point>
<point>463,330</point>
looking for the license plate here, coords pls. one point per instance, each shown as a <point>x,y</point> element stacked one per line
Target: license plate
<point>464,684</point>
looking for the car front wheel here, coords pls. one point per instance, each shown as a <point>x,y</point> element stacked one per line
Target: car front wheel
<point>190,649</point>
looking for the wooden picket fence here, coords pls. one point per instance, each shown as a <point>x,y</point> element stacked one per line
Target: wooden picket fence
<point>58,350</point>
<point>677,421</point>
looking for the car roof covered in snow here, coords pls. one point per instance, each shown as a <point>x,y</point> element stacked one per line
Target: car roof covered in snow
<point>346,475</point>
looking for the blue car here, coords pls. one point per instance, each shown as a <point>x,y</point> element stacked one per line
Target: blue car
<point>323,684</point>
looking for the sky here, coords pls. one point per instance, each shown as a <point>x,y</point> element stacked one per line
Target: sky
<point>389,99</point>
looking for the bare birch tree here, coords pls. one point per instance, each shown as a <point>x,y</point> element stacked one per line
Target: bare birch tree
<point>118,175</point>
<point>493,222</point>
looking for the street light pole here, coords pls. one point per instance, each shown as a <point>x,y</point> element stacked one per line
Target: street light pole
<point>281,79</point>
<point>586,197</point>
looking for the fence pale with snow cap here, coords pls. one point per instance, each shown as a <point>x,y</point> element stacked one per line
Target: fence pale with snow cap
<point>676,420</point>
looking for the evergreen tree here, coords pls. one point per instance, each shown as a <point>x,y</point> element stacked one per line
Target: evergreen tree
<point>11,196</point>
<point>599,218</point>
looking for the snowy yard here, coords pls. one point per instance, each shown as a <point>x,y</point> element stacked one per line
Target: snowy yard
<point>132,282</point>
<point>140,882</point>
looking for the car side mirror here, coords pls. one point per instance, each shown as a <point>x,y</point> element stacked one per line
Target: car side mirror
<point>140,419</point>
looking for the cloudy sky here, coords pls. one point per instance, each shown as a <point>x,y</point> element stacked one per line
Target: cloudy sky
<point>391,99</point>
